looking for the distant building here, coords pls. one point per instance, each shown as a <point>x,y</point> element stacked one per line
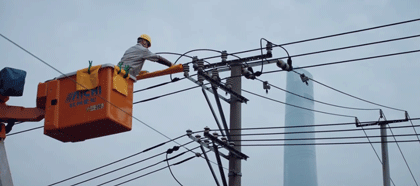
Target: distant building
<point>299,161</point>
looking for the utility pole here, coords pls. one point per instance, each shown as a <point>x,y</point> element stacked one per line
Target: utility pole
<point>5,175</point>
<point>385,161</point>
<point>235,173</point>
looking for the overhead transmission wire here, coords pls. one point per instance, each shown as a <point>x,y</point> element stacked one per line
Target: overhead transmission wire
<point>126,166</point>
<point>402,154</point>
<point>408,116</point>
<point>147,167</point>
<point>85,87</point>
<point>329,36</point>
<point>319,131</point>
<point>170,170</point>
<point>116,161</point>
<point>353,108</point>
<point>185,160</point>
<point>303,126</point>
<point>288,104</point>
<point>298,55</point>
<point>303,67</point>
<point>347,94</point>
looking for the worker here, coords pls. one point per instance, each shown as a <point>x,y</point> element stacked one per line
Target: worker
<point>137,54</point>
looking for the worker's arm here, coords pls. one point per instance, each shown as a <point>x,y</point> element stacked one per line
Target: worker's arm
<point>164,61</point>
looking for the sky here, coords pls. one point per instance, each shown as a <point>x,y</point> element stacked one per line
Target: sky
<point>67,34</point>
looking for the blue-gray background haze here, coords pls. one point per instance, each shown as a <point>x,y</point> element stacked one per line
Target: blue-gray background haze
<point>67,34</point>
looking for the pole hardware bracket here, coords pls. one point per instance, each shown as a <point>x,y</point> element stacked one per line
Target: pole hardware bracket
<point>304,78</point>
<point>223,87</point>
<point>266,86</point>
<point>225,145</point>
<point>204,143</point>
<point>233,173</point>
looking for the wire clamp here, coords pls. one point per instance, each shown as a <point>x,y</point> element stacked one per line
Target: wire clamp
<point>304,78</point>
<point>266,86</point>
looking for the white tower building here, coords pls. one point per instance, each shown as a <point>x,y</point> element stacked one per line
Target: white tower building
<point>299,161</point>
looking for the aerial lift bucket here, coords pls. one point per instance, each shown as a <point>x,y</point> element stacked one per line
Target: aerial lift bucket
<point>87,104</point>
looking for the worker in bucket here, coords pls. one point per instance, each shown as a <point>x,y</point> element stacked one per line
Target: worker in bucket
<point>137,54</point>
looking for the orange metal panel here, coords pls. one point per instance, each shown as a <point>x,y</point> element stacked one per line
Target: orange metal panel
<point>41,97</point>
<point>82,115</point>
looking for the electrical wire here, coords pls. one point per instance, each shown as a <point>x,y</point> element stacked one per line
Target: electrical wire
<point>329,36</point>
<point>125,175</point>
<point>22,131</point>
<point>123,167</point>
<point>303,126</point>
<point>341,143</point>
<point>169,167</point>
<point>319,131</point>
<point>346,61</point>
<point>323,138</point>
<point>119,160</point>
<point>303,67</point>
<point>288,104</point>
<point>314,99</point>
<point>402,154</point>
<point>351,95</point>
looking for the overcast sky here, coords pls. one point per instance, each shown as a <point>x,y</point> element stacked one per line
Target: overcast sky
<point>67,34</point>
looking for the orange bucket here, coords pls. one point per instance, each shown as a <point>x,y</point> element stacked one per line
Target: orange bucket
<point>72,115</point>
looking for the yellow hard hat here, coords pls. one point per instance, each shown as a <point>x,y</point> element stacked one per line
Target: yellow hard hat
<point>147,38</point>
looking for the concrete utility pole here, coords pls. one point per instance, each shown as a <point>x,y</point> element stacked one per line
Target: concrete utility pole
<point>385,161</point>
<point>5,175</point>
<point>235,173</point>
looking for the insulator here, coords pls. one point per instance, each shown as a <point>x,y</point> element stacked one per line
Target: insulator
<point>206,129</point>
<point>215,134</point>
<point>186,68</point>
<point>206,141</point>
<point>189,132</point>
<point>229,82</point>
<point>198,136</point>
<point>224,55</point>
<point>194,62</point>
<point>231,143</point>
<point>215,74</point>
<point>223,139</point>
<point>283,65</point>
<point>200,64</point>
<point>269,47</point>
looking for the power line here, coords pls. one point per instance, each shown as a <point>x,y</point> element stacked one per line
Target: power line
<point>324,138</point>
<point>320,131</point>
<point>314,99</point>
<point>351,95</point>
<point>329,113</point>
<point>119,160</point>
<point>303,67</point>
<point>346,61</point>
<point>22,131</point>
<point>125,175</point>
<point>341,143</point>
<point>129,165</point>
<point>328,36</point>
<point>303,126</point>
<point>169,167</point>
<point>185,160</point>
<point>298,55</point>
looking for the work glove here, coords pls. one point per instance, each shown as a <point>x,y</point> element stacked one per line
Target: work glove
<point>164,61</point>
